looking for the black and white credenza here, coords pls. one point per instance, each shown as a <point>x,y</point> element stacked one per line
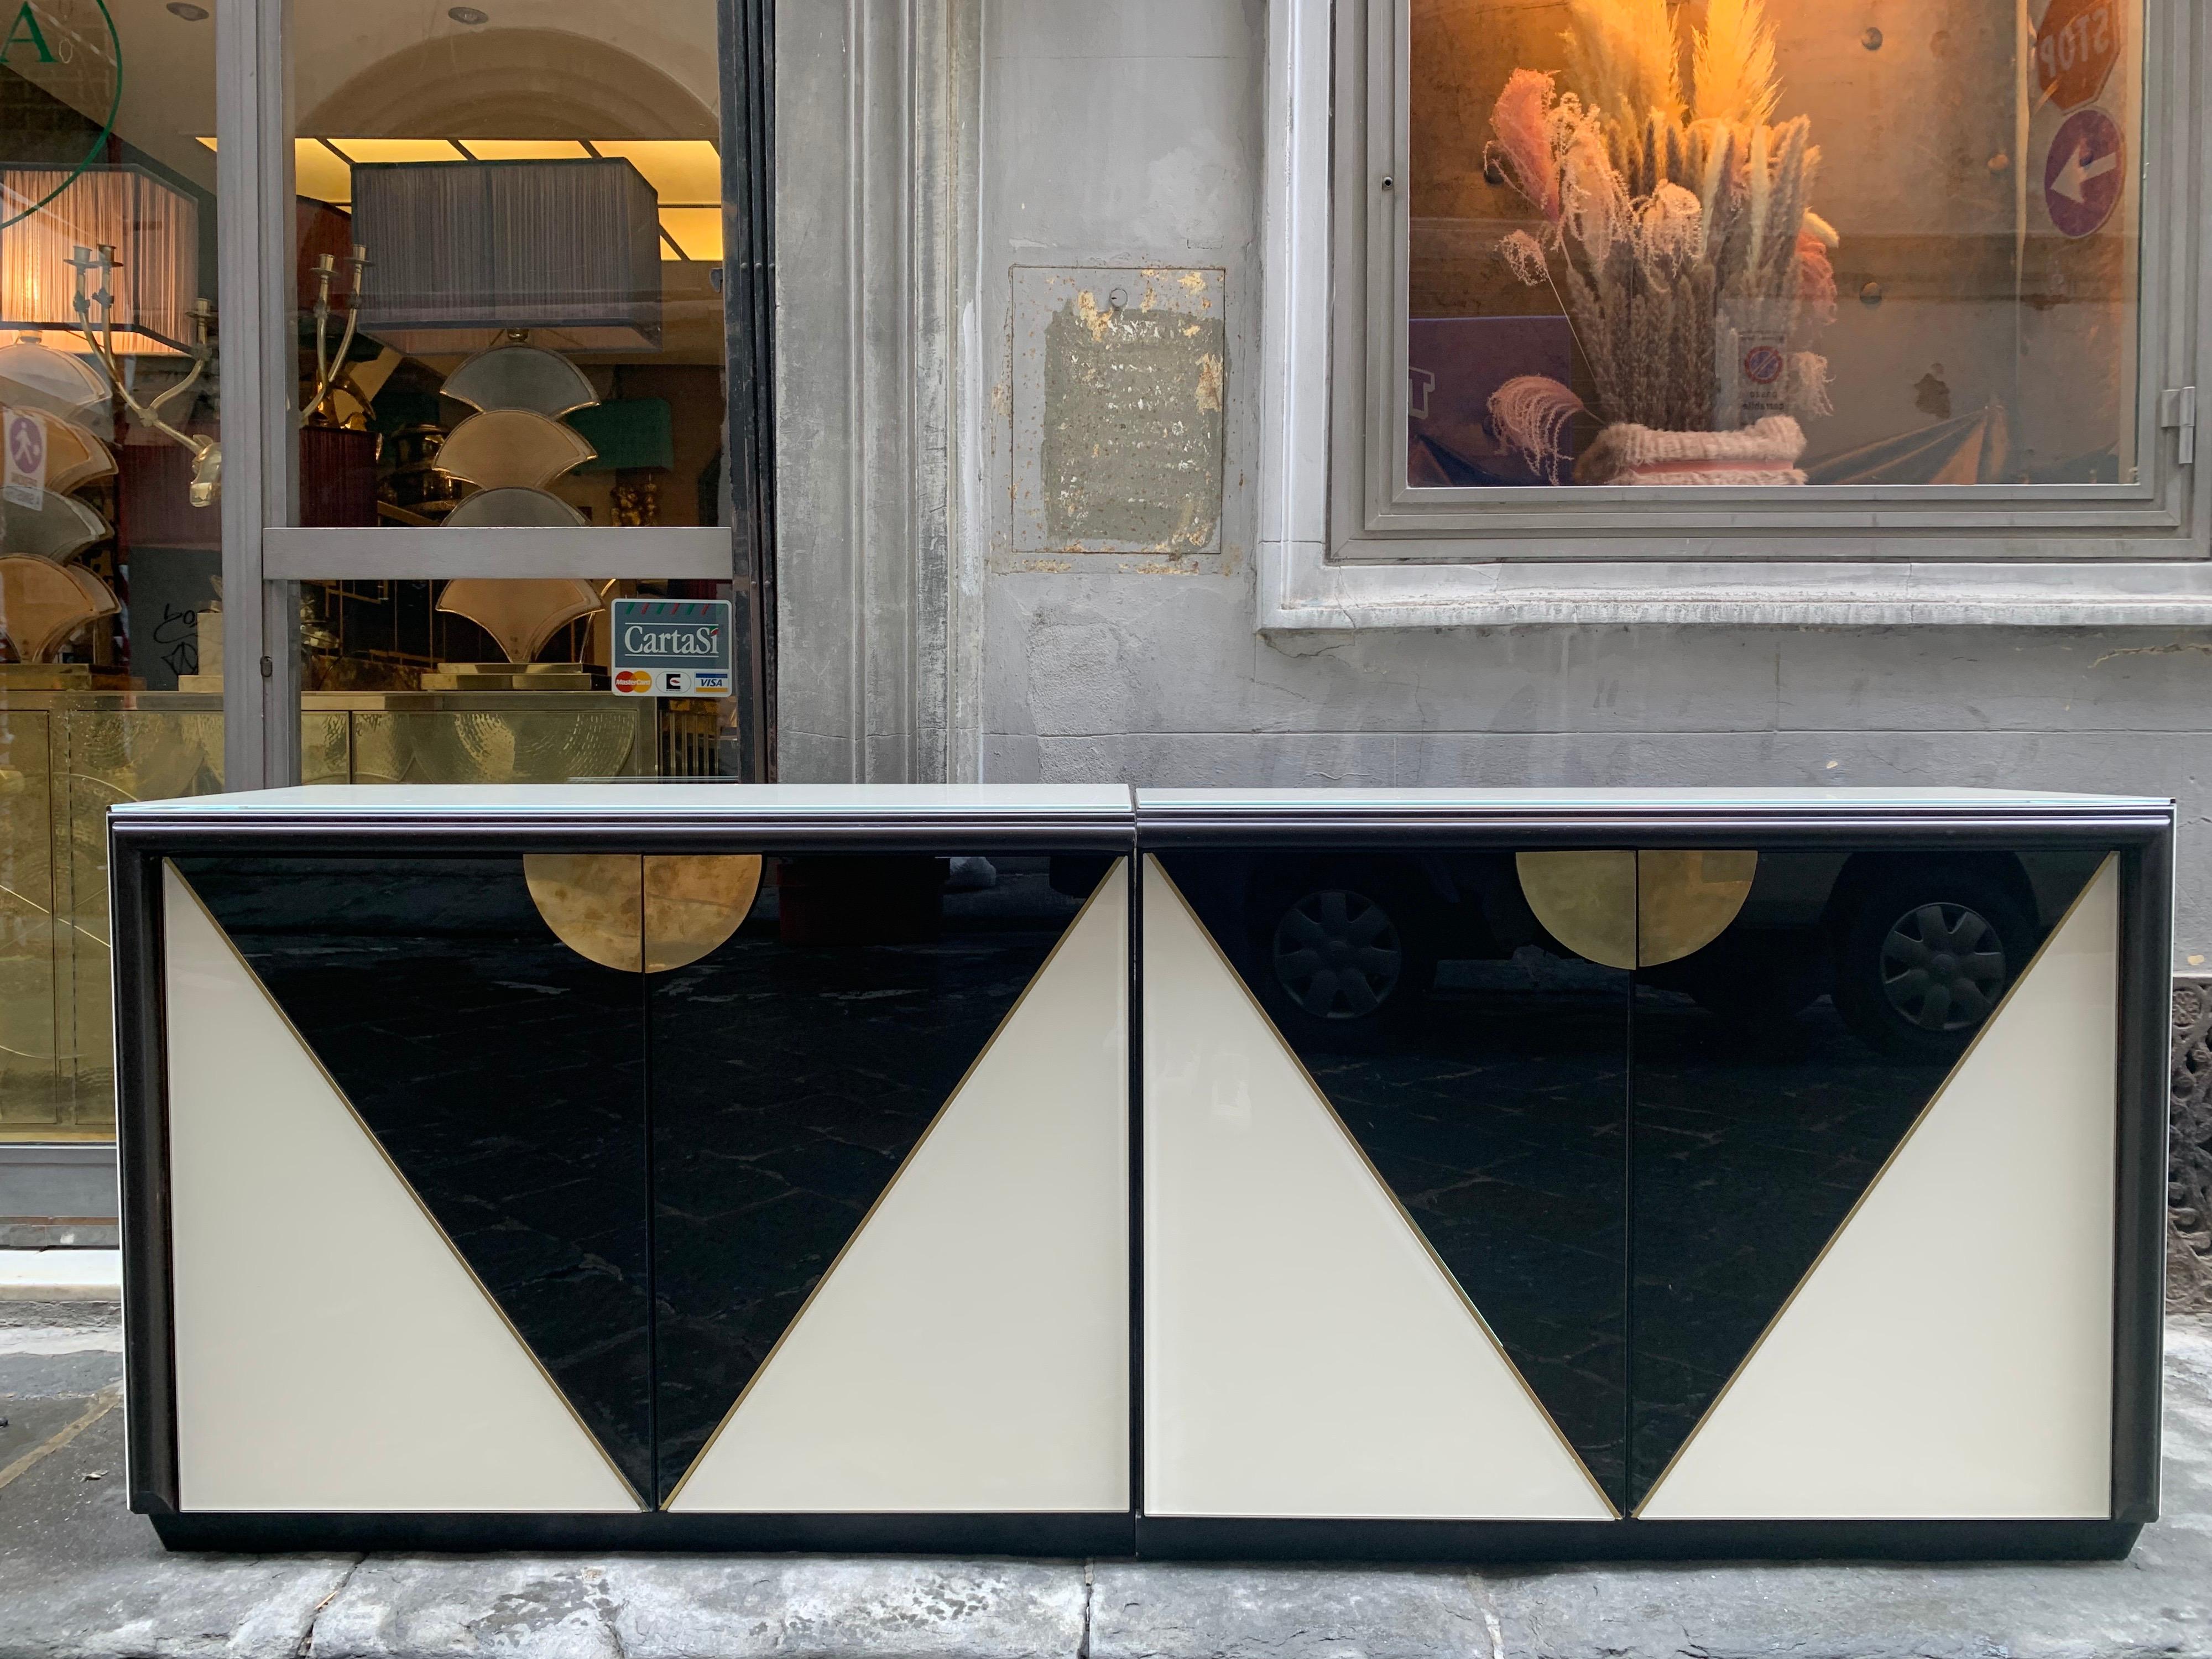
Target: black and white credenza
<point>1077,1170</point>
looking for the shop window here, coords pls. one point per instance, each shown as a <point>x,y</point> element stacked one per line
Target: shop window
<point>111,630</point>
<point>1762,269</point>
<point>508,308</point>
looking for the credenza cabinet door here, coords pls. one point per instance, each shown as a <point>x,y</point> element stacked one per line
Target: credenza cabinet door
<point>406,1124</point>
<point>1384,1199</point>
<point>1873,1238</point>
<point>890,1225</point>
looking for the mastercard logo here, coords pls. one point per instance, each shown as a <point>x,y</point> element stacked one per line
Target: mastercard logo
<point>632,680</point>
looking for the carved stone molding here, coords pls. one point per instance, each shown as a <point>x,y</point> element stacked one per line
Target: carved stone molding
<point>869,201</point>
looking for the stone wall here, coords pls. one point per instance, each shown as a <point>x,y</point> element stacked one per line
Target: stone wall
<point>1132,136</point>
<point>940,160</point>
<point>2189,1259</point>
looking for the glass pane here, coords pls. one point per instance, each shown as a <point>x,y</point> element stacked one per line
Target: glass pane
<point>110,552</point>
<point>1759,242</point>
<point>509,314</point>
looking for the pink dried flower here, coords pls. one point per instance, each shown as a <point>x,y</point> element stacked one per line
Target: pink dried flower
<point>1816,280</point>
<point>1593,205</point>
<point>1522,121</point>
<point>1524,258</point>
<point>1531,414</point>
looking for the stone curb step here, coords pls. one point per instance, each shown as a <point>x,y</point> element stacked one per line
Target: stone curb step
<point>61,1275</point>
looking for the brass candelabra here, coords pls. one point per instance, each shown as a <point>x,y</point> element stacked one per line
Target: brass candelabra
<point>207,453</point>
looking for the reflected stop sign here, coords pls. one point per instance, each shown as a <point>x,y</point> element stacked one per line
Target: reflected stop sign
<point>2076,46</point>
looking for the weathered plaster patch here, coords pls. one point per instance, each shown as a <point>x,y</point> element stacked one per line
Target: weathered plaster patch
<point>1119,401</point>
<point>1132,429</point>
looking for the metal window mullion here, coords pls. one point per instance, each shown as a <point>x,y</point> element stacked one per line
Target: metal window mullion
<point>254,200</point>
<point>746,32</point>
<point>436,553</point>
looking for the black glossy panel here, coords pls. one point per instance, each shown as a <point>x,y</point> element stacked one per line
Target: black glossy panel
<point>503,1075</point>
<point>1748,1157</point>
<point>1485,1081</point>
<point>794,1070</point>
<point>1771,1085</point>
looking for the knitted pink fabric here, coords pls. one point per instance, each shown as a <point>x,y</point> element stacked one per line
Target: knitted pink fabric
<point>1764,452</point>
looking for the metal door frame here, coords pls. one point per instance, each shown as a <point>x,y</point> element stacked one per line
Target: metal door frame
<point>265,552</point>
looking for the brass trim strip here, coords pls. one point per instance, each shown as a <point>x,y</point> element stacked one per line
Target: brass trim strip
<point>352,1111</point>
<point>1873,1185</point>
<point>1368,1164</point>
<point>1121,866</point>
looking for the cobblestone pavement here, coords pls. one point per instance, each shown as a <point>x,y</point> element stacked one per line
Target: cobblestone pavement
<point>79,1575</point>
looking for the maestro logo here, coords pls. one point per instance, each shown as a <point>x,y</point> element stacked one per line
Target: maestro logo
<point>68,49</point>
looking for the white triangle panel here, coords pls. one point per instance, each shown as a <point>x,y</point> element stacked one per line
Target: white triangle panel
<point>1950,1357</point>
<point>1304,1353</point>
<point>969,1349</point>
<point>332,1353</point>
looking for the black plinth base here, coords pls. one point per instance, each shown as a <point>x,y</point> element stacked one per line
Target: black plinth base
<point>880,1534</point>
<point>1114,1536</point>
<point>1636,1540</point>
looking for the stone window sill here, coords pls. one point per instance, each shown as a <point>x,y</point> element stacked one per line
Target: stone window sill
<point>1302,590</point>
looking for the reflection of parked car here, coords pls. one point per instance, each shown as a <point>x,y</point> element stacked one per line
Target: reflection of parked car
<point>1916,948</point>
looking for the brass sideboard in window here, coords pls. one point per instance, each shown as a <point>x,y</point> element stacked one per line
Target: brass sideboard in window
<point>69,752</point>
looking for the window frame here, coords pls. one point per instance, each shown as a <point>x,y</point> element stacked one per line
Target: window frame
<point>266,551</point>
<point>1342,547</point>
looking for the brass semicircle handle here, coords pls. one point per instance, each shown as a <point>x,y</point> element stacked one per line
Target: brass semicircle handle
<point>642,914</point>
<point>1636,909</point>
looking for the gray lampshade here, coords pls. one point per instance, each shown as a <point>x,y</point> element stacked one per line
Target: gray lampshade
<point>570,247</point>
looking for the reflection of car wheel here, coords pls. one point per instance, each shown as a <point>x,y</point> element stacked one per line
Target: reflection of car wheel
<point>1925,958</point>
<point>1340,956</point>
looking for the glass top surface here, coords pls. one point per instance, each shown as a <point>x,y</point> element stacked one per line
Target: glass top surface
<point>1705,799</point>
<point>646,798</point>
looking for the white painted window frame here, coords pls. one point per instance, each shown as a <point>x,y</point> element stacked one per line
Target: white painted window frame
<point>1333,555</point>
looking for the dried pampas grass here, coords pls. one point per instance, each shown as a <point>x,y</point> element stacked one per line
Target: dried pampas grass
<point>1734,65</point>
<point>1623,57</point>
<point>1676,234</point>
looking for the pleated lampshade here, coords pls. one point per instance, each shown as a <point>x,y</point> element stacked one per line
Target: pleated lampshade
<point>570,248</point>
<point>153,227</point>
